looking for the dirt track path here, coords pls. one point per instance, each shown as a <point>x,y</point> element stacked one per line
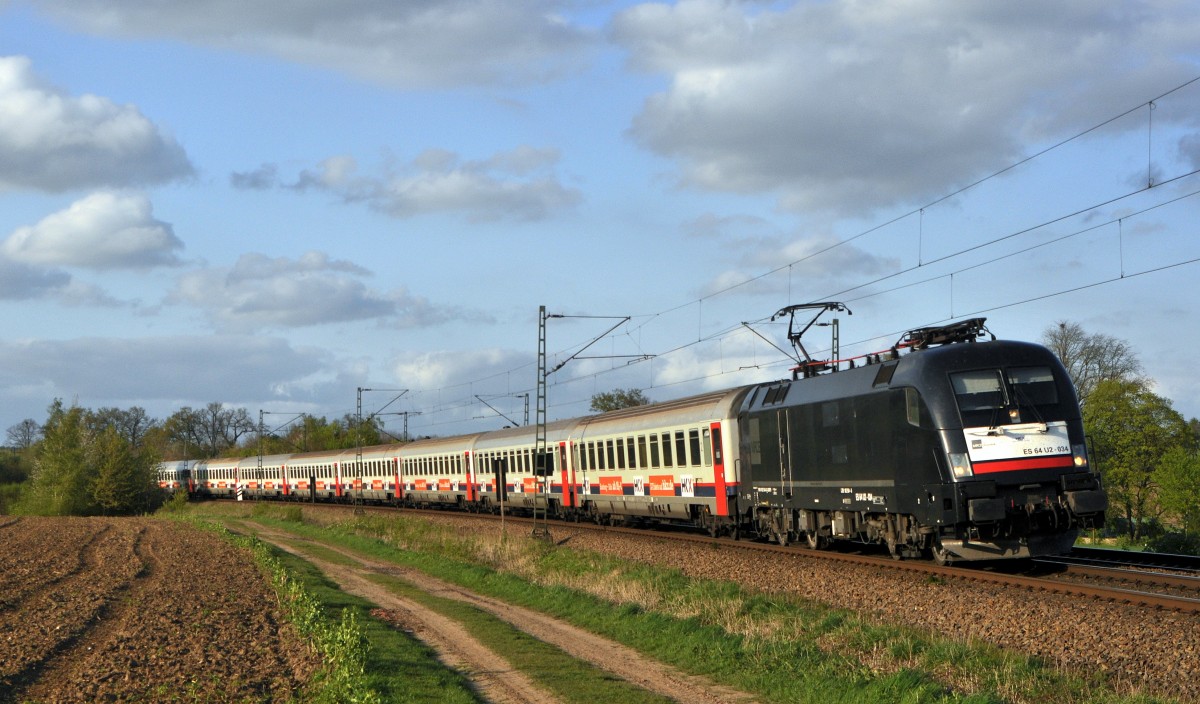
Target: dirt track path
<point>496,679</point>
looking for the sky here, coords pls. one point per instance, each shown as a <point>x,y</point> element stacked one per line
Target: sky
<point>273,205</point>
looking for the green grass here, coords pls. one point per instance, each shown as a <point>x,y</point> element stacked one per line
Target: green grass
<point>570,679</point>
<point>398,667</point>
<point>779,647</point>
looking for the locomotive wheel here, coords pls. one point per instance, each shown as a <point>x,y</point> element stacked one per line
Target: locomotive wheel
<point>815,542</point>
<point>941,555</point>
<point>895,549</point>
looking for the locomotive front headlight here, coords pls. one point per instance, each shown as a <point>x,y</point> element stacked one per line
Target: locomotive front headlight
<point>960,464</point>
<point>1080,454</point>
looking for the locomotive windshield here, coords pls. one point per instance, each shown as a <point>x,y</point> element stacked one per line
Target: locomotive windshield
<point>982,395</point>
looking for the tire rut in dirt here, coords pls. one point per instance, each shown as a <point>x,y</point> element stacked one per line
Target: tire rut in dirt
<point>33,562</point>
<point>193,621</point>
<point>66,661</point>
<point>54,617</point>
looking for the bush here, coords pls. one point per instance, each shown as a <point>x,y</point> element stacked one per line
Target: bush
<point>10,496</point>
<point>1175,544</point>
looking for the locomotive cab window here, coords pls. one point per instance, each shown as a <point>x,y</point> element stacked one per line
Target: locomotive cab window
<point>984,395</point>
<point>1033,386</point>
<point>978,391</point>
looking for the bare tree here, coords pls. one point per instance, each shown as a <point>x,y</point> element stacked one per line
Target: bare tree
<point>209,431</point>
<point>618,398</point>
<point>24,434</point>
<point>183,428</point>
<point>1091,357</point>
<point>132,424</point>
<point>221,428</point>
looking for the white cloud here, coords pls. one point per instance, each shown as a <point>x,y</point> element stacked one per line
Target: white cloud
<point>55,142</point>
<point>809,266</point>
<point>411,44</point>
<point>102,231</point>
<point>515,185</point>
<point>848,107</point>
<point>261,292</point>
<point>446,368</point>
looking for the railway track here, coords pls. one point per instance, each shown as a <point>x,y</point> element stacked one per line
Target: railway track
<point>1116,583</point>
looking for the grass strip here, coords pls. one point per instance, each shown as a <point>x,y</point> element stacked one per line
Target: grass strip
<point>366,661</point>
<point>570,679</point>
<point>397,666</point>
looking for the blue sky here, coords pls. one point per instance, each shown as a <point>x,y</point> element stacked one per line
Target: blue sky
<point>272,204</point>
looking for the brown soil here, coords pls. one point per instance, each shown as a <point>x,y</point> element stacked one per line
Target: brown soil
<point>492,674</point>
<point>103,609</point>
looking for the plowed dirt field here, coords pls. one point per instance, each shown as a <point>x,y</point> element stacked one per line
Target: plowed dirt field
<point>129,609</point>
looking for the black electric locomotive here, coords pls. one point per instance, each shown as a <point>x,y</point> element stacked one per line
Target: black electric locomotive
<point>959,448</point>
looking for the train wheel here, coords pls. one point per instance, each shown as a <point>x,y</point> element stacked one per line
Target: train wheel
<point>941,555</point>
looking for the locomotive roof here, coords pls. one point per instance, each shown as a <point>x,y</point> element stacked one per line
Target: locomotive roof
<point>924,369</point>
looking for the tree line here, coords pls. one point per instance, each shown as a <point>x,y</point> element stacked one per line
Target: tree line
<point>103,461</point>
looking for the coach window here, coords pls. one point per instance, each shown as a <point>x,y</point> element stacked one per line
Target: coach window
<point>643,458</point>
<point>654,450</point>
<point>629,448</point>
<point>680,449</point>
<point>591,456</point>
<point>620,453</point>
<point>706,447</point>
<point>694,446</point>
<point>666,450</point>
<point>608,452</point>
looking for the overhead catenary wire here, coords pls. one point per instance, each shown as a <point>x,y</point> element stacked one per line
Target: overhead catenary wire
<point>723,332</point>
